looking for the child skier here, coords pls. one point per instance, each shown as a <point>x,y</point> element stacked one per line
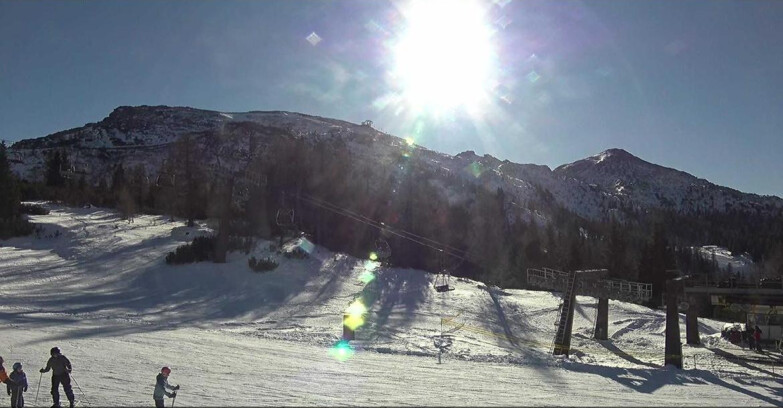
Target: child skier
<point>161,384</point>
<point>61,374</point>
<point>20,387</point>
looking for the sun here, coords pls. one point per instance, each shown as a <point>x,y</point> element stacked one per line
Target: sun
<point>444,57</point>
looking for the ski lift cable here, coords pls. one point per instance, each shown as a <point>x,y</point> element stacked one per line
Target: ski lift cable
<point>381,226</point>
<point>384,226</point>
<point>411,237</point>
<point>375,224</point>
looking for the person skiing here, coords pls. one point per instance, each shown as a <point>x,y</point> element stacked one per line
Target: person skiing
<point>161,384</point>
<point>757,338</point>
<point>20,387</point>
<point>749,336</point>
<point>61,370</point>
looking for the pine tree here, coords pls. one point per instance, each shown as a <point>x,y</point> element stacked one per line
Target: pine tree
<point>11,221</point>
<point>617,252</point>
<point>9,192</point>
<point>54,169</point>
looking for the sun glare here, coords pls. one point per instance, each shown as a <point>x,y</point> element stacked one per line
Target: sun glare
<point>444,58</point>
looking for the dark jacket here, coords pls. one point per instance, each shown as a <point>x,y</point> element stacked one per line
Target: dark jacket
<point>161,384</point>
<point>59,365</point>
<point>20,380</point>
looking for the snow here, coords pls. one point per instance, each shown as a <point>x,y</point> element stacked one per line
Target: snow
<point>99,290</point>
<point>741,264</point>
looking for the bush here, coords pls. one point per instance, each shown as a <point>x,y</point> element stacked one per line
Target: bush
<point>33,209</point>
<point>201,249</point>
<point>261,265</point>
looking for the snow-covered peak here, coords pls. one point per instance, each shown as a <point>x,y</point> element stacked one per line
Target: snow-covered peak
<point>640,183</point>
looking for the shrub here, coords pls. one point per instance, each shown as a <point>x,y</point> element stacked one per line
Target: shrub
<point>201,249</point>
<point>261,265</point>
<point>33,209</point>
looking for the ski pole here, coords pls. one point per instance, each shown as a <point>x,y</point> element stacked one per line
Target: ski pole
<point>39,389</point>
<point>173,400</point>
<point>80,389</point>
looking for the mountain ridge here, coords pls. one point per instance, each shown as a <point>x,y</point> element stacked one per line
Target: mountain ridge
<point>593,187</point>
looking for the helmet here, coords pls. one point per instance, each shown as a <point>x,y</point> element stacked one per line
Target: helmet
<point>17,366</point>
<point>165,370</point>
<point>54,350</point>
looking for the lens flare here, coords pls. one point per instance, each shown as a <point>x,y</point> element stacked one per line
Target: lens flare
<point>475,169</point>
<point>353,322</point>
<point>354,315</point>
<point>356,308</point>
<point>342,351</point>
<point>366,277</point>
<point>370,265</point>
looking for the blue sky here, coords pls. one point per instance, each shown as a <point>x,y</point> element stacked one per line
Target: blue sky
<point>693,85</point>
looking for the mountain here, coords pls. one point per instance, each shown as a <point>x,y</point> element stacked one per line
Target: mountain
<point>629,179</point>
<point>598,187</point>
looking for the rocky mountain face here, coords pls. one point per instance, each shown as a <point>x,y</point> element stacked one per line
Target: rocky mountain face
<point>631,180</point>
<point>599,187</point>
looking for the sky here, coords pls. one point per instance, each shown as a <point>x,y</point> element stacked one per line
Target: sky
<point>692,85</point>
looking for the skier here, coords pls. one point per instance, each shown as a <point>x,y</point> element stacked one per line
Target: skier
<point>757,338</point>
<point>16,391</point>
<point>61,370</point>
<point>161,384</point>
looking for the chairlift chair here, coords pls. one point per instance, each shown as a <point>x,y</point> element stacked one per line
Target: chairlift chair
<point>285,217</point>
<point>442,282</point>
<point>165,179</point>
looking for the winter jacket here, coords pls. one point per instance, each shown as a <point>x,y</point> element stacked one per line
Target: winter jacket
<point>161,384</point>
<point>20,380</point>
<point>3,375</point>
<point>59,365</point>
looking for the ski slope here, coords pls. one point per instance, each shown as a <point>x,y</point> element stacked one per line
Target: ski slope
<point>98,288</point>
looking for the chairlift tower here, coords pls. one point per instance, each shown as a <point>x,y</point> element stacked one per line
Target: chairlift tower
<point>590,282</point>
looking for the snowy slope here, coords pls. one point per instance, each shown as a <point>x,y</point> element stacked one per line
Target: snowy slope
<point>725,259</point>
<point>98,288</point>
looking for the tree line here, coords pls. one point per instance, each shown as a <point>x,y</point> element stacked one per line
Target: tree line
<point>334,193</point>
